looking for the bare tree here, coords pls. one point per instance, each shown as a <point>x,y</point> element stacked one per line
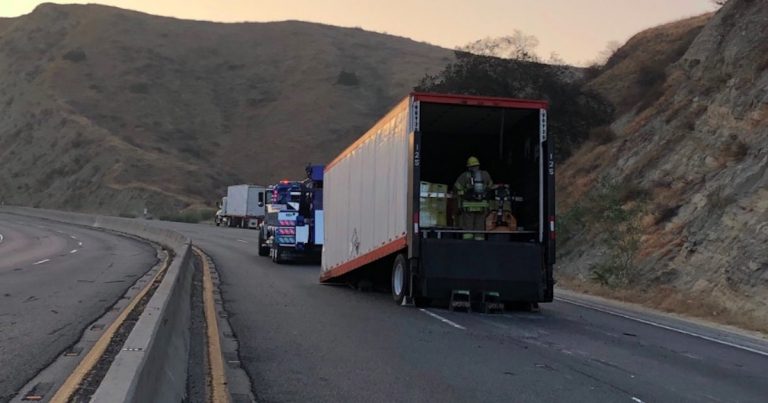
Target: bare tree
<point>610,49</point>
<point>556,59</point>
<point>518,46</point>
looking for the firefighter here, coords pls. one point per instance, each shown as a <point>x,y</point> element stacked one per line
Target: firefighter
<point>472,187</point>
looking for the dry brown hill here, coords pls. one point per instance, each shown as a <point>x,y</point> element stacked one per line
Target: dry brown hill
<point>109,110</point>
<point>687,166</point>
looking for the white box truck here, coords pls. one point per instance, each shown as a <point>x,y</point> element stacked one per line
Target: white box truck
<point>243,206</point>
<point>373,191</point>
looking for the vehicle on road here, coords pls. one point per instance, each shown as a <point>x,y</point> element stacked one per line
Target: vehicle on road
<point>293,228</point>
<point>220,218</point>
<point>391,216</point>
<point>243,207</point>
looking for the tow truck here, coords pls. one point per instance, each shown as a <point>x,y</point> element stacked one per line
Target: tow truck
<point>293,226</point>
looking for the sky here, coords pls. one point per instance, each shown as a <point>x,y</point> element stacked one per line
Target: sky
<point>577,30</point>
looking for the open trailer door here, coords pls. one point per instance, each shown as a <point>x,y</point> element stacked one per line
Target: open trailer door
<point>509,138</point>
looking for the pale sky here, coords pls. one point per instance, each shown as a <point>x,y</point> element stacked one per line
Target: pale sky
<point>576,29</point>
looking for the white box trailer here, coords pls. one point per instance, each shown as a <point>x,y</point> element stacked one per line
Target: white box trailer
<point>244,206</point>
<point>372,201</point>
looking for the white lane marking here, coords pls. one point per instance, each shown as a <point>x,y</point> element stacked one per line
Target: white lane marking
<point>73,251</point>
<point>659,325</point>
<point>79,244</point>
<point>73,237</point>
<point>1,238</point>
<point>240,240</point>
<point>42,261</point>
<point>442,319</point>
<point>637,400</point>
<point>59,231</point>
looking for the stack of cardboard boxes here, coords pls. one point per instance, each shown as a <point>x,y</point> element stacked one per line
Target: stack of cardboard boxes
<point>434,205</point>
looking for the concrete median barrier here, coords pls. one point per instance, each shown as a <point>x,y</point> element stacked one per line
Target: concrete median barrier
<point>152,365</point>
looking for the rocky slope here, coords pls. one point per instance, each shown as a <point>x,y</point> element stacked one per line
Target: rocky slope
<point>689,159</point>
<point>109,110</point>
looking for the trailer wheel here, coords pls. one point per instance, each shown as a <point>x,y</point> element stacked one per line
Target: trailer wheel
<point>263,250</point>
<point>400,275</point>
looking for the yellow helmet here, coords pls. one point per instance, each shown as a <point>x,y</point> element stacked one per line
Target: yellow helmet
<point>472,162</point>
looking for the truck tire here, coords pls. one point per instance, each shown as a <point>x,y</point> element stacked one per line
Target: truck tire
<point>400,279</point>
<point>263,249</point>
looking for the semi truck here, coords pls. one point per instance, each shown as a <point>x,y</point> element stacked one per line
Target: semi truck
<point>220,213</point>
<point>293,228</point>
<point>243,207</point>
<point>392,213</point>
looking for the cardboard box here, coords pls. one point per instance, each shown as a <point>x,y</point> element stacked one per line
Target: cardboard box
<point>425,186</point>
<point>438,188</point>
<point>434,204</point>
<point>426,219</point>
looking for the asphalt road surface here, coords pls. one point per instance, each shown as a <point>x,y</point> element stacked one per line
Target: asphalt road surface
<point>302,341</point>
<point>55,279</point>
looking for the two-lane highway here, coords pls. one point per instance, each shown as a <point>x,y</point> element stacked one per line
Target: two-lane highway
<point>55,279</point>
<point>302,341</point>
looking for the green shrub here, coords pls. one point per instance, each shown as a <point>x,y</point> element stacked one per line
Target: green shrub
<point>602,135</point>
<point>719,199</point>
<point>667,213</point>
<point>736,149</point>
<point>75,56</point>
<point>207,214</point>
<point>347,78</point>
<point>571,223</point>
<point>573,111</point>
<point>139,88</point>
<point>609,214</point>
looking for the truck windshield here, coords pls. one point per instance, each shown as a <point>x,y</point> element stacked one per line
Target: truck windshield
<point>285,194</point>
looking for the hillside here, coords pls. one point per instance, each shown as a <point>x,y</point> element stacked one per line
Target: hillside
<point>683,174</point>
<point>108,110</point>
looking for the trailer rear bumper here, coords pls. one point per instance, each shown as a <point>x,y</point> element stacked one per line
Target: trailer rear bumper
<point>513,269</point>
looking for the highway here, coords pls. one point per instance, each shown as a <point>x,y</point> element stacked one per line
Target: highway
<point>55,279</point>
<point>302,341</point>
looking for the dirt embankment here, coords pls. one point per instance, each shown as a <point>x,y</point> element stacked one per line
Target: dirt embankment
<point>686,159</point>
<point>114,111</point>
